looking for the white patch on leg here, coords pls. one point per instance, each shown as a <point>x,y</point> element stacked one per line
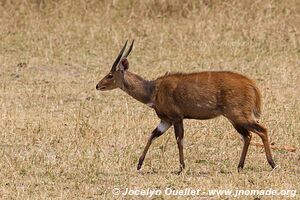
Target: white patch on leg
<point>182,142</point>
<point>150,104</point>
<point>163,126</point>
<point>242,138</point>
<point>153,138</point>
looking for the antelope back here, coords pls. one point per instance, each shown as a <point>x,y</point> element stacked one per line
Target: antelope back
<point>206,95</point>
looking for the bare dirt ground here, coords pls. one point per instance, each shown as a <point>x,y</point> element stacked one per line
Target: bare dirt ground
<point>62,139</point>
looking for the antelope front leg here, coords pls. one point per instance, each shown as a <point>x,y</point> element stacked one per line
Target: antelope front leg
<point>179,133</point>
<point>158,131</point>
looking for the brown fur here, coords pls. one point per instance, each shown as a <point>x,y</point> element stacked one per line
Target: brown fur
<point>205,95</point>
<point>201,95</point>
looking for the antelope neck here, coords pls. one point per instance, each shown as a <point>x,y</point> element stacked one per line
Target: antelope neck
<point>137,87</point>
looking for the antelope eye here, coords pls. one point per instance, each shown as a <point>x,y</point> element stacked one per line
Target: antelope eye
<point>110,76</point>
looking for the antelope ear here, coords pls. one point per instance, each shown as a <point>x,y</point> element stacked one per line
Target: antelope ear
<point>124,65</point>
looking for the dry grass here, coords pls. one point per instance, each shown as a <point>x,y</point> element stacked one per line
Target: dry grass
<point>60,138</point>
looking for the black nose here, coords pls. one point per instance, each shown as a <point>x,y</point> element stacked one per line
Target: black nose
<point>97,87</point>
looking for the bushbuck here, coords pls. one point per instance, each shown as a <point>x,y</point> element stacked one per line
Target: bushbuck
<point>200,95</point>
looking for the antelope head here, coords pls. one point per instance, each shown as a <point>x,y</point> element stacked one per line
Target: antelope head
<point>114,78</point>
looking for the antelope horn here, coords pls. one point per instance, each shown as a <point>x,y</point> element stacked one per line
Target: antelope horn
<point>129,50</point>
<point>113,68</point>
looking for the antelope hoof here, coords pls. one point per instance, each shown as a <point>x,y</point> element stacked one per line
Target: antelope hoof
<point>272,163</point>
<point>139,166</point>
<point>240,168</point>
<point>176,172</point>
<point>181,169</point>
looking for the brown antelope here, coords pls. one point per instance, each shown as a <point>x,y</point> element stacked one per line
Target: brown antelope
<point>201,95</point>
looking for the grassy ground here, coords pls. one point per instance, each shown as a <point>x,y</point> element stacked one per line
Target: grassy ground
<point>60,138</point>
